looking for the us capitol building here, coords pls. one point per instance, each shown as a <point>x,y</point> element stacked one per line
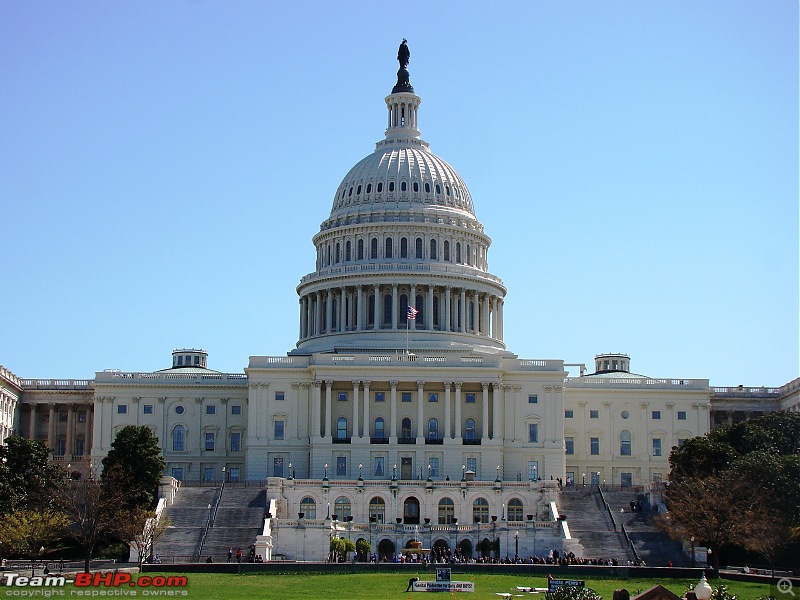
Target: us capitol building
<point>400,406</point>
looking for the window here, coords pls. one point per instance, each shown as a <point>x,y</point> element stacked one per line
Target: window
<point>342,396</point>
<point>342,507</point>
<point>469,427</point>
<point>348,251</point>
<point>82,417</point>
<point>570,444</point>
<point>380,396</point>
<point>681,441</point>
<point>80,445</point>
<point>360,251</point>
<point>236,409</point>
<point>62,417</point>
<point>122,409</point>
<point>656,446</point>
<point>594,414</point>
<point>61,443</point>
<point>405,428</point>
<point>569,413</point>
<point>373,248</point>
<point>533,470</point>
<point>626,480</point>
<point>681,415</point>
<point>177,473</point>
<point>208,474</point>
<point>380,432</point>
<point>472,464</point>
<point>277,466</point>
<point>377,510</point>
<point>341,466</point>
<point>447,250</point>
<point>418,248</point>
<point>178,439</point>
<point>594,446</point>
<point>470,398</point>
<point>625,443</point>
<point>656,415</point>
<point>378,469</point>
<point>388,248</point>
<point>210,439</point>
<point>433,429</point>
<point>147,409</point>
<point>279,396</point>
<point>179,409</point>
<point>211,409</point>
<point>404,247</point>
<point>533,399</point>
<point>341,428</point>
<point>433,397</point>
<point>308,507</point>
<point>433,250</point>
<point>625,414</point>
<point>446,511</point>
<point>236,441</point>
<point>280,430</point>
<point>533,433</point>
<point>515,509</point>
<point>433,467</point>
<point>391,186</point>
<point>405,396</point>
<point>480,511</point>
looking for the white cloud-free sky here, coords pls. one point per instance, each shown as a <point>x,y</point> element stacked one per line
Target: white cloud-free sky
<point>164,165</point>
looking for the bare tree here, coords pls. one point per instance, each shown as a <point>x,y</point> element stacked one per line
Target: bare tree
<point>141,527</point>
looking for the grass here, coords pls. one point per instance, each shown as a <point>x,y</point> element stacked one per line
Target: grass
<point>391,586</point>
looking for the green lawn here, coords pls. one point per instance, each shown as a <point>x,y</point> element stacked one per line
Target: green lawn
<point>391,586</point>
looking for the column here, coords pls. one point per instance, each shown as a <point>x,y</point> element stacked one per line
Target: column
<point>394,306</point>
<point>316,410</point>
<point>420,406</point>
<point>328,417</point>
<point>392,413</point>
<point>302,311</point>
<point>497,413</point>
<point>485,330</point>
<point>446,324</point>
<point>429,312</point>
<point>475,320</point>
<point>329,312</point>
<point>367,424</point>
<point>485,411</point>
<point>447,426</point>
<point>378,308</point>
<point>51,429</point>
<point>412,301</point>
<point>359,308</point>
<point>343,310</point>
<point>318,314</point>
<point>463,306</point>
<point>70,433</point>
<point>500,303</point>
<point>494,317</point>
<point>458,435</point>
<point>356,385</point>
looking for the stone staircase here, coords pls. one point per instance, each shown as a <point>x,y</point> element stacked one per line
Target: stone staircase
<point>652,545</point>
<point>239,519</point>
<point>187,519</point>
<point>589,521</point>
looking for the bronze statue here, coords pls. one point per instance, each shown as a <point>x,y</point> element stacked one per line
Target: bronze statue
<point>403,54</point>
<point>403,83</point>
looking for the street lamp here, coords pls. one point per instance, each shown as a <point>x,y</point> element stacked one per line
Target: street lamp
<point>326,472</point>
<point>291,475</point>
<point>584,480</point>
<point>516,545</point>
<point>360,466</point>
<point>329,510</point>
<point>503,514</point>
<point>702,590</point>
<point>694,562</point>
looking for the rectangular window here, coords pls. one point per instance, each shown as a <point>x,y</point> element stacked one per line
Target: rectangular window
<point>62,416</point>
<point>378,469</point>
<point>433,397</point>
<point>81,417</point>
<point>177,473</point>
<point>208,473</point>
<point>470,399</point>
<point>533,399</point>
<point>210,440</point>
<point>625,480</point>
<point>236,441</point>
<point>595,477</point>
<point>472,464</point>
<point>433,463</point>
<point>211,409</point>
<point>569,413</point>
<point>533,470</point>
<point>655,415</point>
<point>405,397</point>
<point>681,441</point>
<point>656,446</point>
<point>342,396</point>
<point>594,445</point>
<point>570,443</point>
<point>341,466</point>
<point>533,432</point>
<point>381,397</point>
<point>681,415</point>
<point>279,396</point>
<point>277,466</point>
<point>594,414</point>
<point>122,409</point>
<point>236,409</point>
<point>279,429</point>
<point>147,409</point>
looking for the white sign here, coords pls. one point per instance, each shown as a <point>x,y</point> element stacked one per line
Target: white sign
<point>444,586</point>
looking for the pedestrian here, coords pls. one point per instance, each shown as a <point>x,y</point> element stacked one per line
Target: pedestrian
<point>239,555</point>
<point>230,554</point>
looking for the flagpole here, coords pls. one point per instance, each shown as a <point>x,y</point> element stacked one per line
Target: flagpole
<point>407,320</point>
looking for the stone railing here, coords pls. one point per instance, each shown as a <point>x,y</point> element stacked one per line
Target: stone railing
<point>411,267</point>
<point>9,376</point>
<point>120,377</point>
<point>57,384</point>
<point>746,392</point>
<point>640,382</point>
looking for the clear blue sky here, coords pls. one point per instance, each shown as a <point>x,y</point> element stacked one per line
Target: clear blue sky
<point>164,165</point>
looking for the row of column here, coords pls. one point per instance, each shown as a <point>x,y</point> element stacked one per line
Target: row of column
<point>459,310</point>
<point>71,432</point>
<point>361,422</point>
<point>7,407</point>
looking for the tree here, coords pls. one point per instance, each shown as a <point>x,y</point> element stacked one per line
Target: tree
<point>134,466</point>
<point>27,478</point>
<point>30,533</point>
<point>142,527</point>
<point>363,549</point>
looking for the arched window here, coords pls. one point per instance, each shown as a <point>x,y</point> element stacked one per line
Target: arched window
<point>380,431</point>
<point>342,507</point>
<point>402,186</point>
<point>458,252</point>
<point>418,247</point>
<point>358,190</point>
<point>405,428</point>
<point>403,312</point>
<point>178,438</point>
<point>469,256</point>
<point>433,250</point>
<point>369,188</point>
<point>446,250</point>
<point>391,186</point>
<point>388,248</point>
<point>403,247</point>
<point>427,188</point>
<point>360,255</point>
<point>480,510</point>
<point>625,443</point>
<point>341,428</point>
<point>308,507</point>
<point>433,429</point>
<point>380,187</point>
<point>416,186</point>
<point>446,511</point>
<point>387,310</point>
<point>377,510</point>
<point>469,429</point>
<point>374,248</point>
<point>515,509</point>
<point>336,258</point>
<point>348,251</point>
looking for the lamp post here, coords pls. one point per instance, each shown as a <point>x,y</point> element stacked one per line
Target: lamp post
<point>694,562</point>
<point>329,511</point>
<point>516,545</point>
<point>702,590</point>
<point>503,514</point>
<point>584,480</point>
<point>360,467</point>
<point>326,472</point>
<point>69,471</point>
<point>291,474</point>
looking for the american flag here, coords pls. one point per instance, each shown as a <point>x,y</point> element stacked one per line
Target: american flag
<point>412,312</point>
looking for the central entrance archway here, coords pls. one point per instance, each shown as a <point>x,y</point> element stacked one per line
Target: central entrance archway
<point>411,511</point>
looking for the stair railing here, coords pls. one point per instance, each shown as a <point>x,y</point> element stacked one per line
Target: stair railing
<point>608,508</point>
<point>630,542</point>
<point>213,518</point>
